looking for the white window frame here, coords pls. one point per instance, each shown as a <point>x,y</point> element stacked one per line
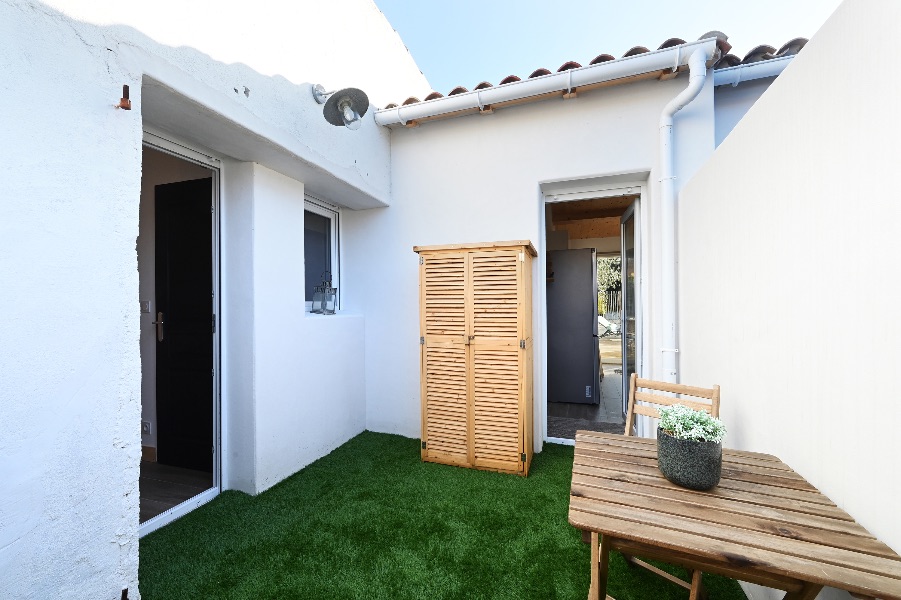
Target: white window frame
<point>333,214</point>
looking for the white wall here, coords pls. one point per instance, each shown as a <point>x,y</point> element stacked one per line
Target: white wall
<point>308,369</point>
<point>476,178</point>
<point>158,168</point>
<point>797,206</point>
<point>731,103</point>
<point>313,42</point>
<point>70,393</point>
<point>70,396</point>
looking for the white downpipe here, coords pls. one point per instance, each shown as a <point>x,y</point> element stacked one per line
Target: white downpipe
<point>697,65</point>
<point>669,58</point>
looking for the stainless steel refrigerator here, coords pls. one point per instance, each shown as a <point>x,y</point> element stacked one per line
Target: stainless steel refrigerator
<point>572,326</point>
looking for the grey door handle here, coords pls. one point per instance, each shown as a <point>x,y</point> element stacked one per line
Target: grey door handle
<point>159,326</point>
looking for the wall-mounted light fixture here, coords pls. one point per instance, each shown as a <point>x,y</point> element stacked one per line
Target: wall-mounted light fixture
<point>344,107</point>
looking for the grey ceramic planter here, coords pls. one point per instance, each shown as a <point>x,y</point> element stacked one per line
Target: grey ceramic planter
<point>691,464</point>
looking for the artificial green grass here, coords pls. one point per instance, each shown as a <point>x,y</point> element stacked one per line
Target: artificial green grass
<point>370,520</point>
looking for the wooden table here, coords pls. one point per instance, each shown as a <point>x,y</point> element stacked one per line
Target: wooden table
<point>763,523</point>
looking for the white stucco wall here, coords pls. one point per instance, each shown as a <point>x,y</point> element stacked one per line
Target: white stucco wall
<point>797,207</point>
<point>339,43</point>
<point>731,103</point>
<point>309,395</point>
<point>476,179</point>
<point>70,396</point>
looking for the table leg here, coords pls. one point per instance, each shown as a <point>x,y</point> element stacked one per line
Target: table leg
<point>600,565</point>
<point>593,593</point>
<point>603,566</point>
<point>808,592</point>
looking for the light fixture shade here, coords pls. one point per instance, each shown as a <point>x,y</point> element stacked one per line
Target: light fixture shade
<point>343,105</point>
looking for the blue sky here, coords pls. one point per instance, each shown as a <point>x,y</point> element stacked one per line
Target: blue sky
<point>463,42</point>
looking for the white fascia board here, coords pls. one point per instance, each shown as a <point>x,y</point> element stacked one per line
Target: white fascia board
<point>758,70</point>
<point>669,58</point>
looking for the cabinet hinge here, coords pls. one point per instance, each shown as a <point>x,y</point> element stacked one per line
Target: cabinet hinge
<point>522,343</point>
<point>424,445</point>
<point>214,323</point>
<point>522,257</point>
<point>522,457</point>
<point>421,260</point>
<point>422,341</point>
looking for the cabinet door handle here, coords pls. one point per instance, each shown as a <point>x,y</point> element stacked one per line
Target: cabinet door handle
<point>159,326</point>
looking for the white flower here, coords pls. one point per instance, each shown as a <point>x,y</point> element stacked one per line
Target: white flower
<point>687,424</point>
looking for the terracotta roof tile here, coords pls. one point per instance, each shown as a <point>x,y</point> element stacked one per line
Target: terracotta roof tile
<point>670,43</point>
<point>601,58</point>
<point>411,100</point>
<point>727,60</point>
<point>636,50</point>
<point>792,47</point>
<point>721,40</point>
<point>570,64</point>
<point>762,52</point>
<point>759,53</point>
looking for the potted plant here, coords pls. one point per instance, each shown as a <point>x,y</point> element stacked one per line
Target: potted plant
<point>690,447</point>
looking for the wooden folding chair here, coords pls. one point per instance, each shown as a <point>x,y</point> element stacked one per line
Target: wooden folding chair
<point>706,399</point>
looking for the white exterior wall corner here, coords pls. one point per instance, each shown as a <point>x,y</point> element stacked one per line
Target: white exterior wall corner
<point>796,206</point>
<point>477,178</point>
<point>69,218</point>
<point>70,392</point>
<point>308,369</point>
<point>238,425</point>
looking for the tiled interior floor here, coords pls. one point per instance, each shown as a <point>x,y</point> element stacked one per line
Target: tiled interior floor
<point>163,487</point>
<point>564,419</point>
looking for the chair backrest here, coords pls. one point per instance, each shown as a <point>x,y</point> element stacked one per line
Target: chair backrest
<point>706,399</point>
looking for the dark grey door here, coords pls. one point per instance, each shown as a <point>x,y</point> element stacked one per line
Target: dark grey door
<point>184,350</point>
<point>572,323</point>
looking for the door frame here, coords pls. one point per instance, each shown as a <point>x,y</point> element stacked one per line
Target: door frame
<point>163,142</point>
<point>634,211</point>
<point>565,191</point>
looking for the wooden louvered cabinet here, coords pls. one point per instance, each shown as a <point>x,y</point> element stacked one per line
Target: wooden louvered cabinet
<point>476,354</point>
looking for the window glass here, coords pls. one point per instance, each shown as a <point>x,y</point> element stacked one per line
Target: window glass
<point>317,248</point>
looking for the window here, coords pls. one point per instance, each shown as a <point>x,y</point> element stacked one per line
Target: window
<point>320,246</point>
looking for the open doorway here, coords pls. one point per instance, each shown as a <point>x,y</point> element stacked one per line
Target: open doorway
<point>177,257</point>
<point>585,313</point>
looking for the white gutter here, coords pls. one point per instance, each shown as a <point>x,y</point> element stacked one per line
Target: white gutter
<point>758,70</point>
<point>658,60</point>
<point>697,65</point>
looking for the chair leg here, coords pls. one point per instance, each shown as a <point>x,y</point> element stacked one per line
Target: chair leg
<point>697,587</point>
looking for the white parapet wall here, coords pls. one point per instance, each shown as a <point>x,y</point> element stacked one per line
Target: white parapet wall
<point>789,274</point>
<point>70,394</point>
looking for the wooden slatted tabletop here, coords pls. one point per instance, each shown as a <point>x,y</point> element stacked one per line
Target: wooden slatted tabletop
<point>763,523</point>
